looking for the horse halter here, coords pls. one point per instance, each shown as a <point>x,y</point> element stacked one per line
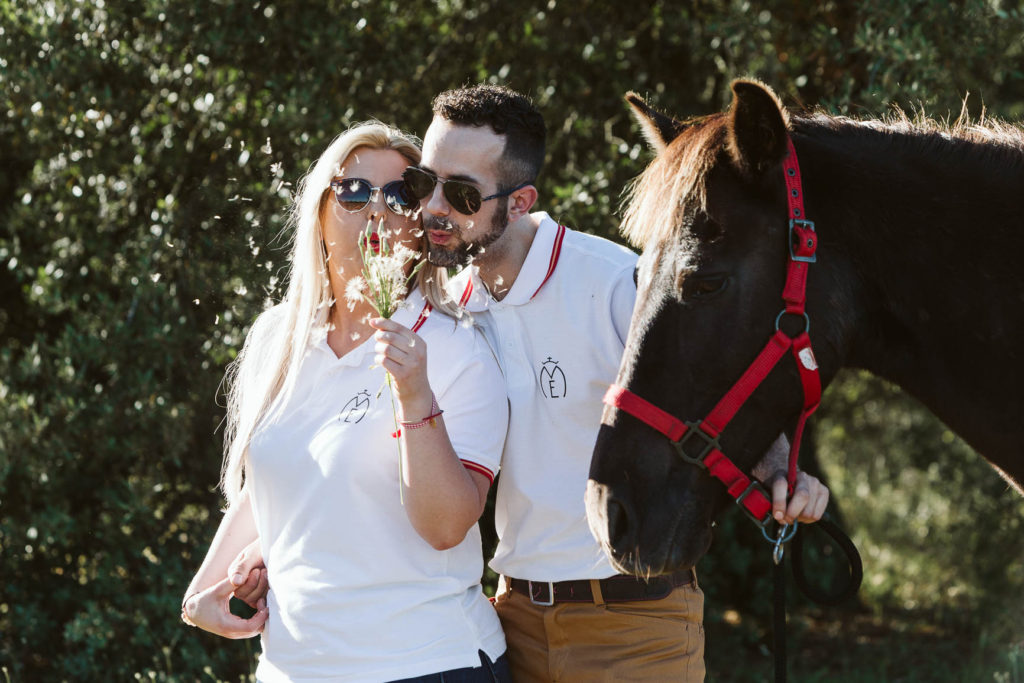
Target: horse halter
<point>748,493</point>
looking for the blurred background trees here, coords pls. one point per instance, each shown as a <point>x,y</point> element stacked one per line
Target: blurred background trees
<point>148,154</point>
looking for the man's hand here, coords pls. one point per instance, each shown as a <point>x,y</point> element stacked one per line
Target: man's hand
<point>810,497</point>
<point>210,610</point>
<point>248,576</point>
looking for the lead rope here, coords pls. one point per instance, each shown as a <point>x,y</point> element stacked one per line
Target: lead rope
<point>784,534</point>
<point>779,623</point>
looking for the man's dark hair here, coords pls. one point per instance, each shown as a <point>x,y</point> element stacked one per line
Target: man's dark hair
<point>507,113</point>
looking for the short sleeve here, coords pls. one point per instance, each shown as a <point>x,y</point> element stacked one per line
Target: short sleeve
<point>471,392</point>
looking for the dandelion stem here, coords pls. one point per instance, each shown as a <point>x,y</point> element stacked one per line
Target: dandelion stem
<point>398,439</point>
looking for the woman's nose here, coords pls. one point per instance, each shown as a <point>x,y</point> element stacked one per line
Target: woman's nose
<point>376,205</point>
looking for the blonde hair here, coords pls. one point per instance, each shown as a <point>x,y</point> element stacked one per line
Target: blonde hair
<point>263,375</point>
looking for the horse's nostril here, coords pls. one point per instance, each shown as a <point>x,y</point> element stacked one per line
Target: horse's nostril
<point>619,526</point>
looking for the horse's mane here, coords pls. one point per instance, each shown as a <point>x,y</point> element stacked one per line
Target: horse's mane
<point>656,201</point>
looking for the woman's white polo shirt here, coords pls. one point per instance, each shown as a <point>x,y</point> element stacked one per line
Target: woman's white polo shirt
<point>355,592</point>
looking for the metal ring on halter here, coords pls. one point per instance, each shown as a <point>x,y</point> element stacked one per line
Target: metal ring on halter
<point>807,320</point>
<point>784,535</point>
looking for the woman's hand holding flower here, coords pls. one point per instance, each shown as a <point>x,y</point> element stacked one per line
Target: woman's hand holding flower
<point>403,353</point>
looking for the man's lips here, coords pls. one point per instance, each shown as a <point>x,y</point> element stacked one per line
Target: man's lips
<point>439,236</point>
<point>374,243</point>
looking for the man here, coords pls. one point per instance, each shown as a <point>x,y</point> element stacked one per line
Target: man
<point>555,305</point>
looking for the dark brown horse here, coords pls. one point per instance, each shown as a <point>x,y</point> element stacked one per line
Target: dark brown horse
<point>919,279</point>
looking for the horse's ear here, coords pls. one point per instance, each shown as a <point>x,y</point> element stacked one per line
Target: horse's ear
<point>757,128</point>
<point>658,128</point>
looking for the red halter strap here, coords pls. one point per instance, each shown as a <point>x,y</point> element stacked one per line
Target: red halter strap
<point>748,492</point>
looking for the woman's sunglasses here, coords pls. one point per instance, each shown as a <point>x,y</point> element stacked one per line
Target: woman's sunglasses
<point>353,194</point>
<point>462,196</point>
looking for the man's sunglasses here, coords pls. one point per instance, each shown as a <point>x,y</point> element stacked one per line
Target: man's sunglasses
<point>353,194</point>
<point>462,196</point>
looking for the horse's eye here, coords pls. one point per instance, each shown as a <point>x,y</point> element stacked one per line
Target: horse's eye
<point>696,287</point>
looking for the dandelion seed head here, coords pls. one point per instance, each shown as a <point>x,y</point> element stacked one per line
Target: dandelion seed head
<point>404,254</point>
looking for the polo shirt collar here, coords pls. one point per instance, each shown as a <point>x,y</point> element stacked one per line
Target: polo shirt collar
<point>540,263</point>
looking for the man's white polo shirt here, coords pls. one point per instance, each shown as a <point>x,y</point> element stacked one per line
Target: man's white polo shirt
<point>558,335</point>
<point>355,592</point>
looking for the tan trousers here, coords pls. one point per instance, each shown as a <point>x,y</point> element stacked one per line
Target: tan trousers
<point>655,640</point>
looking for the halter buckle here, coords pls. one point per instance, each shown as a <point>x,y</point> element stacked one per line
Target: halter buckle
<point>755,485</point>
<point>710,444</point>
<point>796,225</point>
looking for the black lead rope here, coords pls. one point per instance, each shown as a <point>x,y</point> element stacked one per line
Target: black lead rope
<point>806,587</point>
<point>852,557</point>
<point>779,630</point>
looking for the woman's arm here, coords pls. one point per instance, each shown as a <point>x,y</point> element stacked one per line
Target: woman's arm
<point>442,498</point>
<point>208,597</point>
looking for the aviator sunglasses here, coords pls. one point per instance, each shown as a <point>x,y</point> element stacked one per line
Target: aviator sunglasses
<point>353,194</point>
<point>462,196</point>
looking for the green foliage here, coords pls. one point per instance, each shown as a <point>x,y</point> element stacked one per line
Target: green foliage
<point>149,151</point>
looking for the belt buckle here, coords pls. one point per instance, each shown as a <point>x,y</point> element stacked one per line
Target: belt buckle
<point>551,592</point>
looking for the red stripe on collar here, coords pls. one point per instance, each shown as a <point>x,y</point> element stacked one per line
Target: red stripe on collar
<point>467,293</point>
<point>424,314</point>
<point>556,250</point>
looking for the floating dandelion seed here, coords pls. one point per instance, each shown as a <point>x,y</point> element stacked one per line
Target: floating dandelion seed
<point>267,149</point>
<point>354,291</point>
<point>355,336</point>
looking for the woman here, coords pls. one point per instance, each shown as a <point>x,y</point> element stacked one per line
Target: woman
<point>370,541</point>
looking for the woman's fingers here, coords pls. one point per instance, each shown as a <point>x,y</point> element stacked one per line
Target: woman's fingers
<point>210,610</point>
<point>254,588</point>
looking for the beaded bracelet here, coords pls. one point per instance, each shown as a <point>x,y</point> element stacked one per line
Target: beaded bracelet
<point>431,419</point>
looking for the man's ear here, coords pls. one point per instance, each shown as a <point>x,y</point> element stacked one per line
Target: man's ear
<point>520,202</point>
<point>658,128</point>
<point>757,129</point>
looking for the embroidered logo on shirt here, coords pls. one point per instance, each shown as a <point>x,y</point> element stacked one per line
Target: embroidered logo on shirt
<point>552,379</point>
<point>355,409</point>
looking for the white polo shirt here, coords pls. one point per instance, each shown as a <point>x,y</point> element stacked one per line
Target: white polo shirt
<point>355,593</point>
<point>558,335</point>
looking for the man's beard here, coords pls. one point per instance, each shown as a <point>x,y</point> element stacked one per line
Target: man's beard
<point>465,251</point>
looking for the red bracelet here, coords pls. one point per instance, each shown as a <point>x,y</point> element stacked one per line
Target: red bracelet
<point>431,419</point>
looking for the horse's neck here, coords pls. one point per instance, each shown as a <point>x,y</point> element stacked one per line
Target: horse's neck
<point>928,248</point>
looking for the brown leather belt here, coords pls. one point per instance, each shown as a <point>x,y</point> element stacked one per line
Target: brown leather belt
<point>618,588</point>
